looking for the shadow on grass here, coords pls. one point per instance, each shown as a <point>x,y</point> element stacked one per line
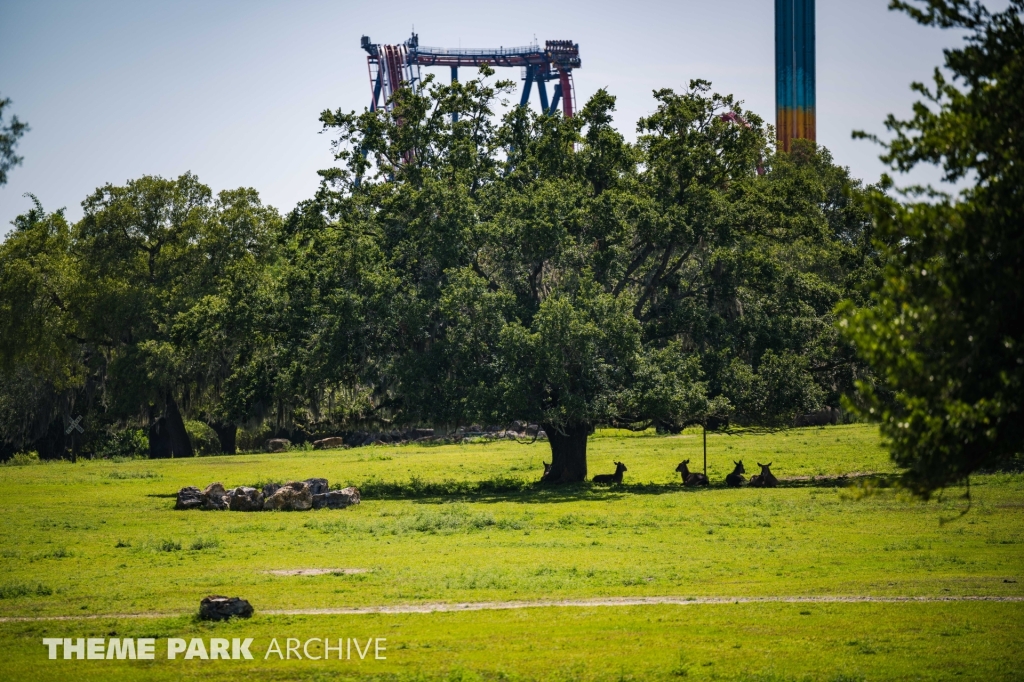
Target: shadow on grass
<point>510,489</point>
<point>518,490</point>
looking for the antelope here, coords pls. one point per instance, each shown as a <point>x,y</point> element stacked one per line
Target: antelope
<point>765,479</point>
<point>736,479</point>
<point>611,478</point>
<point>691,478</point>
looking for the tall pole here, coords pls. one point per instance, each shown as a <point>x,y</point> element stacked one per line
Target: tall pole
<point>705,425</point>
<point>455,79</point>
<point>795,73</point>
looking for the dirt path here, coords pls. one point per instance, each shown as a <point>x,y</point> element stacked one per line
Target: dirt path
<point>438,607</point>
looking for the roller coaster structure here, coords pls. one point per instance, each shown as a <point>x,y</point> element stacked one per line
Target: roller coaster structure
<point>393,67</point>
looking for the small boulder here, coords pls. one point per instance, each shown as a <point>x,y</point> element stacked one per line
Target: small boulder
<point>216,607</point>
<point>294,496</point>
<point>277,445</point>
<point>317,486</point>
<point>329,443</point>
<point>215,497</point>
<point>270,488</point>
<point>336,499</point>
<point>244,498</point>
<point>189,497</point>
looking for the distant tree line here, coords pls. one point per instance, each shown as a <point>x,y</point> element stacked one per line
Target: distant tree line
<point>456,270</point>
<point>535,268</point>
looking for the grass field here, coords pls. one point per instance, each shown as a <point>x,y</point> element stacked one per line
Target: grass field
<point>463,524</point>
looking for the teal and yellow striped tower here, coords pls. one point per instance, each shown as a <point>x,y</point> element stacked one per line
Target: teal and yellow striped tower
<point>794,71</point>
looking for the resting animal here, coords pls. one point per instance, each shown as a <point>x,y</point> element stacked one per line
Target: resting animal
<point>611,478</point>
<point>736,479</point>
<point>765,479</point>
<point>691,478</point>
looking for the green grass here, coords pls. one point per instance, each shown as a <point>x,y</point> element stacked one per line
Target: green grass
<point>750,642</point>
<point>467,523</point>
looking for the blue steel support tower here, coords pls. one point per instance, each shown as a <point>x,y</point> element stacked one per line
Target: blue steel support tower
<point>794,71</point>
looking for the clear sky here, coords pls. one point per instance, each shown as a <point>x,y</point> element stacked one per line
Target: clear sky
<point>231,90</point>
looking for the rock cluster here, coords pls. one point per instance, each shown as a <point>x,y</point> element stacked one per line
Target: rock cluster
<point>313,493</point>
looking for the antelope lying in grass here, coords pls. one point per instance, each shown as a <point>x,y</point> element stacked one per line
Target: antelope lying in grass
<point>691,478</point>
<point>765,479</point>
<point>611,478</point>
<point>736,479</point>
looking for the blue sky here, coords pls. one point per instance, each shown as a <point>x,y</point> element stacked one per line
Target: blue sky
<point>232,90</point>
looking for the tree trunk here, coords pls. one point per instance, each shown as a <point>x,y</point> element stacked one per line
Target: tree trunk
<point>227,435</point>
<point>159,439</point>
<point>568,453</point>
<point>181,446</point>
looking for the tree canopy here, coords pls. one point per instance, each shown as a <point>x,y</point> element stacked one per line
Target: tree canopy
<point>123,313</point>
<point>543,269</point>
<point>944,328</point>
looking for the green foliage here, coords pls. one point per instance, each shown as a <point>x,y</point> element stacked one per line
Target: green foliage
<point>123,444</point>
<point>9,136</point>
<point>204,439</point>
<point>485,270</point>
<point>21,459</point>
<point>945,328</point>
<point>143,310</point>
<point>544,269</point>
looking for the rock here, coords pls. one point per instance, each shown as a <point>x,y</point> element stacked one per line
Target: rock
<point>215,497</point>
<point>270,488</point>
<point>216,607</point>
<point>336,499</point>
<point>293,496</point>
<point>355,439</point>
<point>828,415</point>
<point>277,445</point>
<point>329,443</point>
<point>245,498</point>
<point>317,486</point>
<point>189,497</point>
<point>420,433</point>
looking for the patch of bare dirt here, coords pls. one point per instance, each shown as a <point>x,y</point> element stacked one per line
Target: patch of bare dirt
<point>439,607</point>
<point>318,571</point>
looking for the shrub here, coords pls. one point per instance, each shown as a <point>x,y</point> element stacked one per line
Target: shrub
<point>23,459</point>
<point>204,439</point>
<point>124,445</point>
